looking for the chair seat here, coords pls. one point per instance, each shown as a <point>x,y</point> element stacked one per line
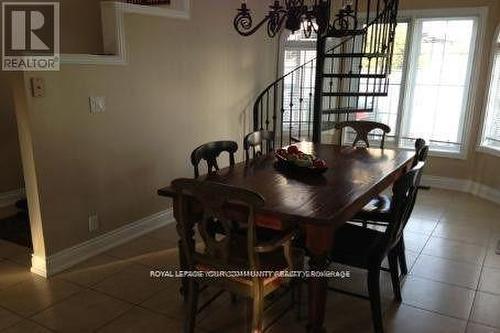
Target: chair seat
<point>355,245</point>
<point>378,209</point>
<point>238,258</point>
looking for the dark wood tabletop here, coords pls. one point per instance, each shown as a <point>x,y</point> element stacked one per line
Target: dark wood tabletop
<point>355,175</point>
<point>317,203</point>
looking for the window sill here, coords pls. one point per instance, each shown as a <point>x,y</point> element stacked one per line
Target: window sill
<point>457,155</point>
<point>447,154</point>
<point>488,150</point>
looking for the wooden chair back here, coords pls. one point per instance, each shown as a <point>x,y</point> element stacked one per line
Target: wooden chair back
<point>363,129</point>
<point>421,151</point>
<point>260,142</point>
<point>209,152</point>
<point>404,195</point>
<point>216,199</point>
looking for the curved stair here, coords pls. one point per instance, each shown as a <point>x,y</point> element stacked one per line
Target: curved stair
<point>351,69</point>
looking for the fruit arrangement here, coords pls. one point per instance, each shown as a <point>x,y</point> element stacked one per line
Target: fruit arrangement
<point>294,157</point>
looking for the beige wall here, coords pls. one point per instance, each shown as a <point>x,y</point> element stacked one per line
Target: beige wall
<point>187,82</point>
<point>10,159</point>
<point>81,32</point>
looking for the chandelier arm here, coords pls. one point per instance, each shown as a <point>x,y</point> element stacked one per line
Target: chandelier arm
<point>243,24</point>
<point>273,30</point>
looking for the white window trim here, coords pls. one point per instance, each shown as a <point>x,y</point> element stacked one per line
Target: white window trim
<point>480,147</point>
<point>481,14</point>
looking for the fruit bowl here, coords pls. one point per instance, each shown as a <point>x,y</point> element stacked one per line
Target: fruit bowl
<point>294,160</point>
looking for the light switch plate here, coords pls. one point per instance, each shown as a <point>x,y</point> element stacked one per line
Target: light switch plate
<point>97,104</point>
<point>37,87</point>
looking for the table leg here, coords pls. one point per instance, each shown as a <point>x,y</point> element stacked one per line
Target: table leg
<point>183,267</point>
<point>186,234</point>
<point>319,242</point>
<point>318,290</point>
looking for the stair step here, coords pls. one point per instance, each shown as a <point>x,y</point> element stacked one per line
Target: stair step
<point>347,110</point>
<point>354,94</point>
<point>328,125</point>
<point>345,33</point>
<point>356,76</point>
<point>356,55</point>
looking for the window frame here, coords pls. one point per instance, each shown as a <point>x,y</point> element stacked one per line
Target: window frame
<point>476,14</point>
<point>480,15</point>
<point>495,52</point>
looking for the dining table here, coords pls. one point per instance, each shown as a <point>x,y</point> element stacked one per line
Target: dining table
<point>317,203</point>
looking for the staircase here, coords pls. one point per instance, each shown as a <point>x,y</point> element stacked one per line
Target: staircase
<point>351,70</point>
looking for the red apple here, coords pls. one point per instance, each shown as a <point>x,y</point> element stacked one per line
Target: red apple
<point>320,164</point>
<point>282,152</point>
<point>293,150</point>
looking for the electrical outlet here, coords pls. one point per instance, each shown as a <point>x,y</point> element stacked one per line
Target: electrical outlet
<point>93,222</point>
<point>37,87</point>
<point>97,104</point>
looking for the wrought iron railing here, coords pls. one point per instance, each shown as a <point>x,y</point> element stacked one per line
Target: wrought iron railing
<point>149,2</point>
<point>354,69</point>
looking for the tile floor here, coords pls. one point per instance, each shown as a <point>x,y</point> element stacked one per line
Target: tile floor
<point>453,285</point>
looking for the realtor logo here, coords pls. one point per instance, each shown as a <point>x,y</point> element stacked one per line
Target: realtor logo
<point>30,36</point>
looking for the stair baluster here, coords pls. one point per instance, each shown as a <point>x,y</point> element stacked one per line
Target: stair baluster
<point>348,77</point>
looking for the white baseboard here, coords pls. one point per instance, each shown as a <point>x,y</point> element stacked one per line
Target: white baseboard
<point>67,258</point>
<point>485,192</point>
<point>11,197</point>
<point>463,185</point>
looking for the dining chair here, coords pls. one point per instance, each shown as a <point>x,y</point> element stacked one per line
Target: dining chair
<point>260,142</point>
<point>362,129</point>
<point>209,152</point>
<point>234,251</point>
<point>378,211</point>
<point>363,248</point>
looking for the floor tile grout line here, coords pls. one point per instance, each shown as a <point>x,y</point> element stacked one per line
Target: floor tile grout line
<point>478,264</point>
<point>442,282</point>
<point>54,304</point>
<point>94,283</point>
<point>471,312</point>
<point>124,300</point>
<point>434,311</point>
<point>30,316</point>
<point>483,324</point>
<point>96,329</point>
<point>75,294</point>
<point>23,317</point>
<point>478,286</point>
<point>29,320</point>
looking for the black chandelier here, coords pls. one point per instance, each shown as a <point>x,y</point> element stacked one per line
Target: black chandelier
<point>293,14</point>
<point>296,14</point>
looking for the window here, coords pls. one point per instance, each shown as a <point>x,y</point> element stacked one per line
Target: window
<point>430,82</point>
<point>439,74</point>
<point>491,131</point>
